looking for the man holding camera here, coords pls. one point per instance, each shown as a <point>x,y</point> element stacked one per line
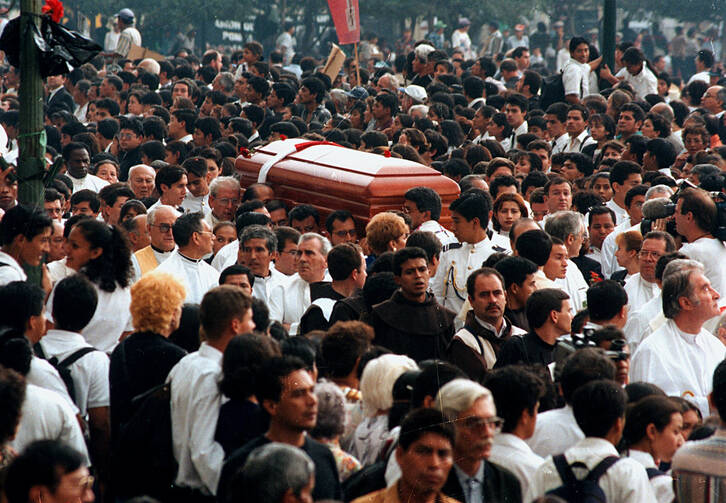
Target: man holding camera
<point>696,220</point>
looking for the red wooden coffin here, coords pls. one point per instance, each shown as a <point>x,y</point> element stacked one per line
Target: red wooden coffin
<point>331,177</point>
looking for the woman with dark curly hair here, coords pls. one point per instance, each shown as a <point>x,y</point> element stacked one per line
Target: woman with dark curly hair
<point>102,254</point>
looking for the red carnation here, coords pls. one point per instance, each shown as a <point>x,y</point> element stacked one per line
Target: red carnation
<point>244,152</point>
<point>386,153</point>
<point>54,8</point>
<point>283,137</point>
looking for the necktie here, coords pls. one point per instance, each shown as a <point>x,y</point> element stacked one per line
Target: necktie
<point>472,491</point>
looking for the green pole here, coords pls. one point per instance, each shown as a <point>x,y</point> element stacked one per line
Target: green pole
<point>31,138</point>
<point>608,33</point>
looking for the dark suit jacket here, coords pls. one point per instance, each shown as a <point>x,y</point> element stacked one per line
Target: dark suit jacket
<point>61,100</point>
<point>591,269</point>
<point>500,485</point>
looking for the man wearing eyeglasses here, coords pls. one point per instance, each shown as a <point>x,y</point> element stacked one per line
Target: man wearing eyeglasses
<point>642,287</point>
<point>27,477</point>
<point>423,205</point>
<point>195,239</point>
<point>341,227</point>
<point>470,407</point>
<point>159,222</point>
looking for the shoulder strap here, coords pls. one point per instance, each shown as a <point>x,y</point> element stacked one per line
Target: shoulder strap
<point>564,470</point>
<point>654,472</point>
<point>77,355</point>
<point>601,468</point>
<point>582,145</point>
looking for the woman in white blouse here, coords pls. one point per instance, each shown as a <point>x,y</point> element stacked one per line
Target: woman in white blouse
<point>101,252</point>
<point>652,434</point>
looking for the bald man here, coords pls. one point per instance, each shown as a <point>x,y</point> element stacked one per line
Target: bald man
<point>141,180</point>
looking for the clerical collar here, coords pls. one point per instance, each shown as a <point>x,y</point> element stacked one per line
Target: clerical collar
<point>159,250</point>
<point>195,260</point>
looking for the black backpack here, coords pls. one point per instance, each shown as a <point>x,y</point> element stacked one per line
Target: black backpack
<point>586,490</point>
<point>144,462</point>
<point>552,91</point>
<point>63,366</point>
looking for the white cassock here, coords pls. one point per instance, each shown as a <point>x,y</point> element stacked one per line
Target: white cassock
<point>644,321</point>
<point>290,299</point>
<point>226,256</point>
<point>262,289</point>
<point>449,285</point>
<point>679,363</point>
<point>90,182</point>
<point>712,254</point>
<point>575,285</point>
<point>640,291</point>
<point>197,276</point>
<point>556,431</point>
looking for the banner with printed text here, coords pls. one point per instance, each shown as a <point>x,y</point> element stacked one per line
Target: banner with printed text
<point>347,20</point>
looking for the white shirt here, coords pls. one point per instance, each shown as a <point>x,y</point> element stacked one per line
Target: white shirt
<point>662,484</point>
<point>521,129</point>
<point>710,252</point>
<point>579,142</point>
<point>289,300</point>
<point>11,271</point>
<point>644,321</point>
<point>91,182</point>
<point>625,482</point>
<point>111,319</point>
<point>197,276</point>
<point>576,78</point>
<point>195,404</point>
<point>555,432</point>
<point>679,363</point>
<point>511,452</point>
<point>449,285</point>
<point>196,204</point>
<point>89,373</point>
<point>640,291</point>
<point>44,375</point>
<point>621,214</point>
<point>575,285</point>
<point>643,83</point>
<point>703,76</point>
<point>560,143</point>
<point>263,286</point>
<point>226,256</point>
<point>445,236</point>
<point>58,270</point>
<point>461,40</point>
<point>45,415</point>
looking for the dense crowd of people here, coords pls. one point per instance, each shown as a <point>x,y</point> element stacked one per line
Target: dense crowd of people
<point>171,332</point>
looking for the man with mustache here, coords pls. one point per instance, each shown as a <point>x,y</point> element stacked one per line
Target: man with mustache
<point>411,322</point>
<point>475,347</point>
<point>470,407</point>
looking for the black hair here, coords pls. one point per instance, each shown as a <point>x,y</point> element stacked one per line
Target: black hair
<point>168,175</point>
<point>583,366</point>
<point>473,205</point>
<point>303,211</point>
<point>426,199</point>
<point>243,359</point>
<point>597,406</point>
<point>74,303</point>
<point>427,241</point>
<point>515,389</point>
<point>113,267</point>
<point>234,270</point>
<point>20,301</point>
<point>343,346</point>
<point>434,374</point>
<point>515,270</point>
<point>718,395</point>
<point>185,226</point>
<point>605,299</point>
<point>636,391</point>
<point>337,215</point>
<point>405,254</point>
<point>535,245</point>
<point>541,303</point>
<point>419,422</point>
<point>42,463</point>
<point>23,220</point>
<point>343,259</point>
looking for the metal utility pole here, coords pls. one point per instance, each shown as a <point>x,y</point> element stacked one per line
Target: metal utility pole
<point>608,33</point>
<point>31,138</point>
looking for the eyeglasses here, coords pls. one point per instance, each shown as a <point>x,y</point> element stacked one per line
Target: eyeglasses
<point>343,233</point>
<point>649,254</point>
<point>85,483</point>
<point>127,136</point>
<point>225,201</point>
<point>474,422</point>
<point>162,227</point>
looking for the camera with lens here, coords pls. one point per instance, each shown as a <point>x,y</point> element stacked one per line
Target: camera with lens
<point>565,346</point>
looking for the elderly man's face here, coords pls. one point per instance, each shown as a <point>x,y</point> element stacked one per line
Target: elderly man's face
<point>141,181</point>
